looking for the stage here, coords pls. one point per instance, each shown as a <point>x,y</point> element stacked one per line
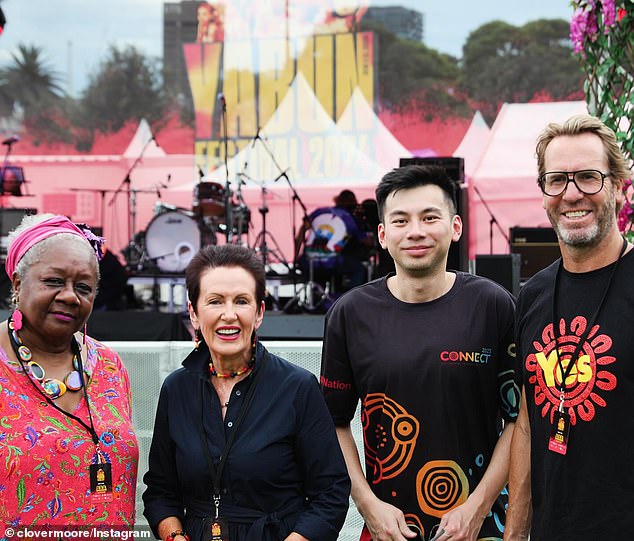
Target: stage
<point>143,325</point>
<point>136,325</point>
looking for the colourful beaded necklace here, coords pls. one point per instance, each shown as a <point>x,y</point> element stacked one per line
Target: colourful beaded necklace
<point>240,371</point>
<point>54,388</point>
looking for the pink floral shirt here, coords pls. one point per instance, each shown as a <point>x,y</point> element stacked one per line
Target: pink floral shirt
<point>45,455</point>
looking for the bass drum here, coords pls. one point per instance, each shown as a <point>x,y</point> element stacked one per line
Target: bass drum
<point>330,230</point>
<point>172,239</point>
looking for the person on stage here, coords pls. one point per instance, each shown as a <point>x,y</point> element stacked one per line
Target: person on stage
<point>68,452</point>
<point>338,242</point>
<point>243,445</point>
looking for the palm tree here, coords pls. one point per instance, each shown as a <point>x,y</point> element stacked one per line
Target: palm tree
<point>29,82</point>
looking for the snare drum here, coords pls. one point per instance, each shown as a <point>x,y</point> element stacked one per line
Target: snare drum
<point>172,239</point>
<point>209,199</point>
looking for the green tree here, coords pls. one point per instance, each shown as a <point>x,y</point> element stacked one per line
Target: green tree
<point>29,84</point>
<point>504,63</point>
<point>127,86</point>
<point>411,73</point>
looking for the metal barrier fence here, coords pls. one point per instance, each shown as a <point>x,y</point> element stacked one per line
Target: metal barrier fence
<point>148,363</point>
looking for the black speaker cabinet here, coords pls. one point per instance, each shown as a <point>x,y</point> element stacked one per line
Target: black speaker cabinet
<point>10,218</point>
<point>458,258</point>
<point>453,166</point>
<point>503,269</point>
<point>537,246</point>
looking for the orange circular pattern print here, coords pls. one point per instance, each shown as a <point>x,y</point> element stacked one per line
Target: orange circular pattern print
<point>441,485</point>
<point>389,434</point>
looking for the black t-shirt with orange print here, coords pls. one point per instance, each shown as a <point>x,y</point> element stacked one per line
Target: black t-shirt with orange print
<point>434,380</point>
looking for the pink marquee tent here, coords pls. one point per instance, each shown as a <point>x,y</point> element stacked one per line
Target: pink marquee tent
<point>507,171</point>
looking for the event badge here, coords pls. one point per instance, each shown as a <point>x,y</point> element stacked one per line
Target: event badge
<point>100,481</point>
<point>216,529</point>
<point>558,441</point>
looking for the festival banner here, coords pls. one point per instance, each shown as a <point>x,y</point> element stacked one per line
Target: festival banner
<point>305,100</point>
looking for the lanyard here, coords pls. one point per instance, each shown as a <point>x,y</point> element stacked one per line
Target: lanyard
<point>216,473</point>
<point>565,373</point>
<point>77,352</point>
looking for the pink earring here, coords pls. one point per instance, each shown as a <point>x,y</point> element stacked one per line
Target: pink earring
<point>17,319</point>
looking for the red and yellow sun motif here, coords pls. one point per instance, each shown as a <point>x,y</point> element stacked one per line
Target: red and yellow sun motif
<point>586,378</point>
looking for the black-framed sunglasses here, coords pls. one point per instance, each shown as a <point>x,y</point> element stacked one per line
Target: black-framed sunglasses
<point>587,181</point>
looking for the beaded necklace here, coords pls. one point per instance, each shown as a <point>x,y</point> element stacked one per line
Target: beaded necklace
<point>240,371</point>
<point>54,388</point>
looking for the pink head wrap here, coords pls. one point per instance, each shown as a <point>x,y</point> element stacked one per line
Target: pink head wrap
<point>37,233</point>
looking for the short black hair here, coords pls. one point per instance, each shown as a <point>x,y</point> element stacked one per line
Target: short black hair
<point>227,255</point>
<point>413,176</point>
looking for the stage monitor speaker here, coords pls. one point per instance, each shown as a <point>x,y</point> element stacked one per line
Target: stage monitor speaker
<point>10,218</point>
<point>503,269</point>
<point>458,258</point>
<point>537,246</point>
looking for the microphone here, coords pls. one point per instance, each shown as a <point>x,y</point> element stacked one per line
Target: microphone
<point>11,140</point>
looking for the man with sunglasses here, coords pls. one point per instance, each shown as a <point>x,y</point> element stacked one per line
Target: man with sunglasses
<point>571,448</point>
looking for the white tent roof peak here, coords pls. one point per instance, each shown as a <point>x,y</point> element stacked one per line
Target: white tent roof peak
<point>140,139</point>
<point>474,143</point>
<point>358,116</point>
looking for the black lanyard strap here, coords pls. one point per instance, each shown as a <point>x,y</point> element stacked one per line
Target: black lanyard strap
<point>590,324</point>
<point>216,473</point>
<point>77,352</point>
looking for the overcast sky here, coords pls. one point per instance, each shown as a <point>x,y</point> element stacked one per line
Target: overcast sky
<point>75,34</point>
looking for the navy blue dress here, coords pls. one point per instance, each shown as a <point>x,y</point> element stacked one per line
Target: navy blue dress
<point>285,471</point>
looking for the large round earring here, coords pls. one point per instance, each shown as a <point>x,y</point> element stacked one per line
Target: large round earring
<point>198,338</point>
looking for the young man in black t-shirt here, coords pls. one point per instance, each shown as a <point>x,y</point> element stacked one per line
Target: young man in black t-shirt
<point>570,457</point>
<point>430,354</point>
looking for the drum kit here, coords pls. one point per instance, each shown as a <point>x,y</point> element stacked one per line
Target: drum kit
<point>175,234</point>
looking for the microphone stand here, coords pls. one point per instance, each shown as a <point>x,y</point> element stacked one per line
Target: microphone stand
<point>131,199</point>
<point>262,236</point>
<point>493,220</point>
<point>241,210</point>
<point>227,195</point>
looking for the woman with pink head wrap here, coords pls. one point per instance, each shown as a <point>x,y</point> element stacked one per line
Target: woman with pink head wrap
<point>68,453</point>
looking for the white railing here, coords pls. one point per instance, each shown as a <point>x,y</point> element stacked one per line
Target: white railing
<point>148,363</point>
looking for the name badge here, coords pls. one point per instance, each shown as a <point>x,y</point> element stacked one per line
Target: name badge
<point>216,529</point>
<point>101,482</point>
<point>558,442</point>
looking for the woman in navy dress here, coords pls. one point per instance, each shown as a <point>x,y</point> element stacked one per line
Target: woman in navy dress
<point>243,445</point>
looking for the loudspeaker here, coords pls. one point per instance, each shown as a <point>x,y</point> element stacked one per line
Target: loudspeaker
<point>458,258</point>
<point>503,269</point>
<point>10,218</point>
<point>453,166</point>
<point>537,246</point>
